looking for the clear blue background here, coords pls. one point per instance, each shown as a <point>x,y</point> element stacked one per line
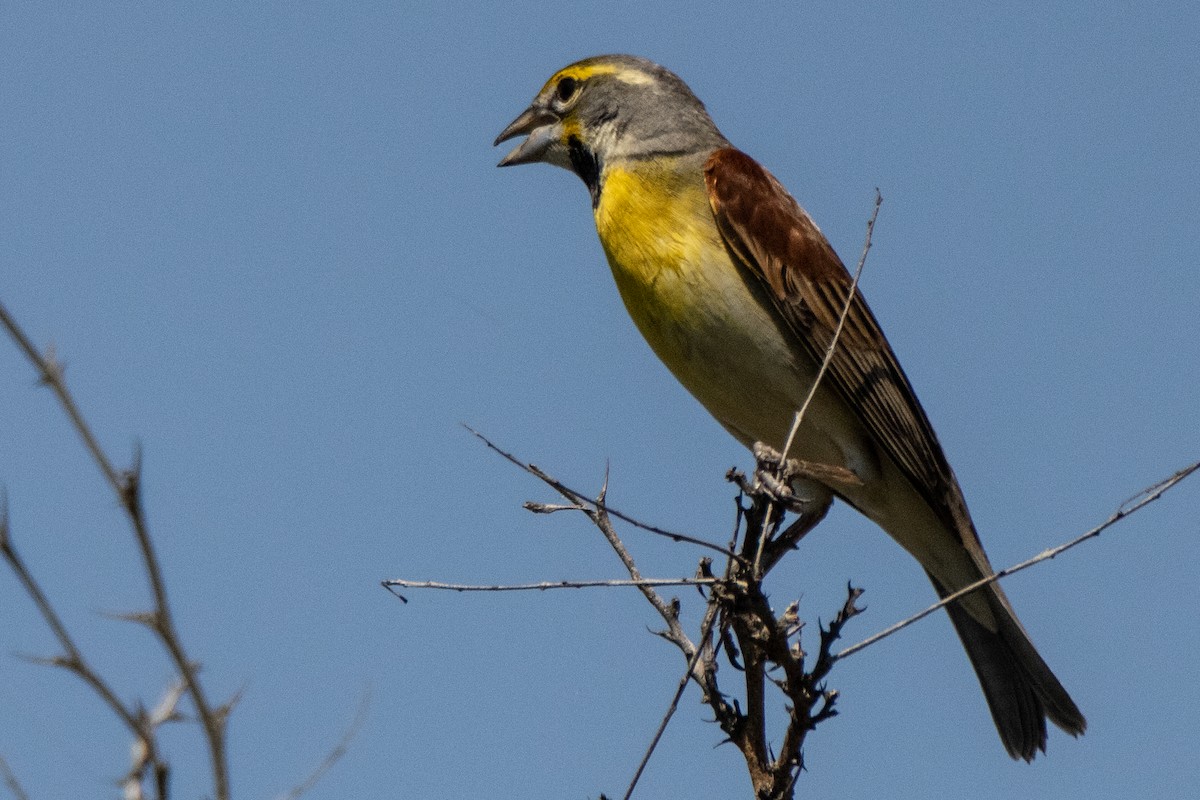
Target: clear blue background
<point>271,245</point>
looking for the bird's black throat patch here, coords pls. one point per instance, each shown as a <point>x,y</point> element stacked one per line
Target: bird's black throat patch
<point>585,164</point>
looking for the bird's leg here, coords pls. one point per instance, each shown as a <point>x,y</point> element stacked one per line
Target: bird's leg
<point>793,485</point>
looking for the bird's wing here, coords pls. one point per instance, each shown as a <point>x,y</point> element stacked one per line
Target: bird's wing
<point>767,231</point>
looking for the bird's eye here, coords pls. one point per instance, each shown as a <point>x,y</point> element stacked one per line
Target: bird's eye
<point>566,89</point>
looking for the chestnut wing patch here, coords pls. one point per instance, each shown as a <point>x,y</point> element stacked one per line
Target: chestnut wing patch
<point>767,231</point>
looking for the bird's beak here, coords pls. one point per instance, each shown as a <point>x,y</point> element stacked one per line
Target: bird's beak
<point>544,129</point>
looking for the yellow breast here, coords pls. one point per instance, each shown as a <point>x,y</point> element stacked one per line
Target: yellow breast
<point>658,233</point>
<point>713,328</point>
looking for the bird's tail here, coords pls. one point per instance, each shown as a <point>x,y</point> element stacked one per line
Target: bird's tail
<point>1021,691</point>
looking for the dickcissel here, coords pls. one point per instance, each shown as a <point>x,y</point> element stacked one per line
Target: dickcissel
<point>739,293</point>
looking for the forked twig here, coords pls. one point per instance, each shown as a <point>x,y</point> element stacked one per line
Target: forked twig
<point>73,659</point>
<point>579,497</point>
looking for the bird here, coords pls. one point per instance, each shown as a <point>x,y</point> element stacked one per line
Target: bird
<point>739,294</point>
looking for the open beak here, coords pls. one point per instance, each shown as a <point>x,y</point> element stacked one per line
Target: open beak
<point>544,130</point>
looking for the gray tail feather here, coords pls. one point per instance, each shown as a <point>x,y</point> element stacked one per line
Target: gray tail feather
<point>1021,690</point>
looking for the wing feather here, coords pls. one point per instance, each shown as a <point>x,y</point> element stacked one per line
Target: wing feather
<point>772,237</point>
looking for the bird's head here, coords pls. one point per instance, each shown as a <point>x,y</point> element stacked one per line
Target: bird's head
<point>609,108</point>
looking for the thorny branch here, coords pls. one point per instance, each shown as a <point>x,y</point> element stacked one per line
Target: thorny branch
<point>144,728</point>
<point>126,485</point>
<point>740,624</point>
<point>739,621</point>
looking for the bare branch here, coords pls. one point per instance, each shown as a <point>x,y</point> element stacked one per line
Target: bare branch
<point>73,660</point>
<point>402,583</point>
<point>668,611</point>
<point>739,607</point>
<point>126,485</point>
<point>50,373</point>
<point>168,635</point>
<point>1140,500</point>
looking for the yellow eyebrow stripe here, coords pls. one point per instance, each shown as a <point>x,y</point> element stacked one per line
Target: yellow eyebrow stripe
<point>583,72</point>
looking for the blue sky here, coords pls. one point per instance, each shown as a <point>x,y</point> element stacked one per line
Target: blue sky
<point>272,247</point>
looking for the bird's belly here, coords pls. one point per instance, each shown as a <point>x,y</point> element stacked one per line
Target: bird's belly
<point>716,330</point>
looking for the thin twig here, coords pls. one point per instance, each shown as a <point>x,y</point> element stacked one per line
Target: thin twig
<point>403,583</point>
<point>710,618</point>
<point>837,332</point>
<point>580,497</point>
<point>798,419</point>
<point>73,660</point>
<point>51,374</point>
<point>335,755</point>
<point>705,650</point>
<point>126,486</point>
<point>212,719</point>
<point>668,611</point>
<point>1133,504</point>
